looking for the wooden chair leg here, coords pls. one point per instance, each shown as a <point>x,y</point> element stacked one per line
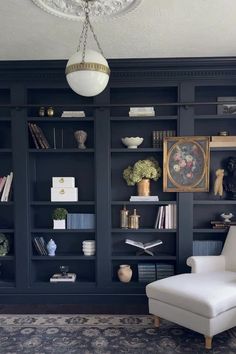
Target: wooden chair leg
<point>208,342</point>
<point>156,321</point>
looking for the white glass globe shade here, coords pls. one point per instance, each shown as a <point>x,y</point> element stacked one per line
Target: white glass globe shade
<point>88,78</point>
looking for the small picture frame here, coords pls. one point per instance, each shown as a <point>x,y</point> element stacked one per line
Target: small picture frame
<point>186,164</point>
<point>226,108</point>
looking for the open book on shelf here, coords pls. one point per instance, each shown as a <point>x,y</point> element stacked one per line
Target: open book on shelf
<point>144,246</point>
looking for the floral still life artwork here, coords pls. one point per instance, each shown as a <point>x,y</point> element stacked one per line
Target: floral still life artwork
<point>186,164</point>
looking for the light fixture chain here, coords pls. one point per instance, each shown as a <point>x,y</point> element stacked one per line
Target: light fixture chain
<point>85,36</point>
<point>95,37</point>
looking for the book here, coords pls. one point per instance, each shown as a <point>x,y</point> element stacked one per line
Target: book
<point>2,183</point>
<point>68,114</point>
<point>58,277</point>
<point>37,135</point>
<point>144,246</point>
<point>42,137</point>
<point>33,136</point>
<point>7,186</point>
<point>151,198</point>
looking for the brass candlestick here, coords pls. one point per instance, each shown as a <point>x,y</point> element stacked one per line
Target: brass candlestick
<point>134,220</point>
<point>124,218</point>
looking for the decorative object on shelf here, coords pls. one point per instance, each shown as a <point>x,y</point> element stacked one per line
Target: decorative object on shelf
<point>41,111</point>
<point>4,245</point>
<point>186,164</point>
<point>6,187</point>
<point>50,111</point>
<point>158,137</point>
<point>89,247</point>
<point>166,217</point>
<point>87,71</point>
<point>227,217</point>
<point>80,137</point>
<point>132,142</point>
<point>221,225</point>
<point>40,246</point>
<point>141,112</point>
<point>38,137</point>
<point>51,247</point>
<point>223,133</point>
<point>124,218</point>
<point>226,108</point>
<point>125,273</point>
<point>223,141</point>
<point>134,220</point>
<point>218,185</point>
<point>147,198</point>
<point>63,276</point>
<point>145,247</point>
<point>59,218</point>
<point>229,181</point>
<point>142,171</point>
<point>63,189</point>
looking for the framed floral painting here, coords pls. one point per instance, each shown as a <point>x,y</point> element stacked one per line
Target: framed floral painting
<point>186,164</point>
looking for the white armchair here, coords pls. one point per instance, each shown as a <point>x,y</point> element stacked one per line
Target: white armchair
<point>205,300</point>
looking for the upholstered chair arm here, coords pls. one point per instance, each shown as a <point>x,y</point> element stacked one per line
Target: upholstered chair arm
<point>204,264</point>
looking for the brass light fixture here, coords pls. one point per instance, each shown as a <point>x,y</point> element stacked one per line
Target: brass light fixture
<point>87,71</point>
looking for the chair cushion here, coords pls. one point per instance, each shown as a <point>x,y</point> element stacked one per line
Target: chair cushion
<point>206,294</point>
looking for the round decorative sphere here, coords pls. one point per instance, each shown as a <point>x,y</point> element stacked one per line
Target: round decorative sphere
<point>89,78</point>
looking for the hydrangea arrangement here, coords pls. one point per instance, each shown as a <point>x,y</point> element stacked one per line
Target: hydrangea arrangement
<point>148,168</point>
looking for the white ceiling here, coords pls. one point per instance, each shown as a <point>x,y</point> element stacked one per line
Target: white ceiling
<point>157,28</point>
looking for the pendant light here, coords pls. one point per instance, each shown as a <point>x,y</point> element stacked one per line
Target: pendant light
<point>87,71</point>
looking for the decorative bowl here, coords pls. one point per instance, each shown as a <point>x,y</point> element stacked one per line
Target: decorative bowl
<point>132,142</point>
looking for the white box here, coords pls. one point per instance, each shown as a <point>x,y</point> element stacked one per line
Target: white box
<point>63,182</point>
<point>64,194</point>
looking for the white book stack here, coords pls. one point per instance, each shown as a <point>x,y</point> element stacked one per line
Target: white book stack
<point>76,114</point>
<point>166,217</point>
<point>58,277</point>
<point>7,188</point>
<point>141,112</point>
<point>151,198</point>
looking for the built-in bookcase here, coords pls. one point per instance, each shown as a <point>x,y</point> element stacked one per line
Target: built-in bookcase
<point>184,94</point>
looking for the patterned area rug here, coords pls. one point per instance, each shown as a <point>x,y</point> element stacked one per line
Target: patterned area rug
<point>103,334</point>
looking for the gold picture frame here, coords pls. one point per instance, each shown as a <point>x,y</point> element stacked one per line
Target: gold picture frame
<point>186,164</point>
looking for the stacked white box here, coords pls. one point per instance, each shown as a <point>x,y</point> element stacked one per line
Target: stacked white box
<point>64,190</point>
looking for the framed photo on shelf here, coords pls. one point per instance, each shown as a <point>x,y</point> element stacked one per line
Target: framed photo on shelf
<point>186,164</point>
<point>226,108</point>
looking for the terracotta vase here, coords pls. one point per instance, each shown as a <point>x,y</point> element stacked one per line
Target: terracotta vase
<point>125,273</point>
<point>144,187</point>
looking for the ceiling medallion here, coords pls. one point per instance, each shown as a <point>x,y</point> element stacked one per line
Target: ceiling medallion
<point>74,9</point>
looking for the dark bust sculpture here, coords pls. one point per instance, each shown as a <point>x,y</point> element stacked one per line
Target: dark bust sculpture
<point>230,178</point>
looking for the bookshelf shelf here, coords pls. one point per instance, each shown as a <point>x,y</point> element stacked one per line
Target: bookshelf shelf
<point>210,231</point>
<point>5,151</point>
<point>59,119</point>
<point>7,258</point>
<point>138,150</point>
<point>66,231</point>
<point>48,203</point>
<point>153,231</point>
<point>215,116</point>
<point>6,203</point>
<point>135,119</point>
<point>60,151</point>
<point>213,202</point>
<point>7,230</point>
<point>63,258</point>
<point>144,258</point>
<point>162,202</point>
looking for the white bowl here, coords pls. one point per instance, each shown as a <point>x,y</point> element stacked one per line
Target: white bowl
<point>132,142</point>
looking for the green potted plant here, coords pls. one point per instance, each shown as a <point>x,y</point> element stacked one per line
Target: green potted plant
<point>141,173</point>
<point>59,218</point>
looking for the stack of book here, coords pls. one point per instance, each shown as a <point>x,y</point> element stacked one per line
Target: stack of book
<point>207,248</point>
<point>150,198</point>
<point>158,137</point>
<point>76,114</point>
<point>164,270</point>
<point>59,277</point>
<point>40,246</point>
<point>222,224</point>
<point>223,141</point>
<point>141,112</point>
<point>166,217</point>
<point>146,272</point>
<point>38,137</point>
<point>80,221</point>
<point>6,187</point>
